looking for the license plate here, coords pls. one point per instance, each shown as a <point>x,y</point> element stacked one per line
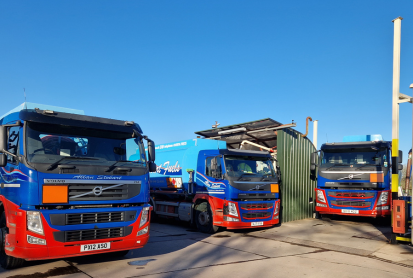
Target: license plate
<point>257,223</point>
<point>94,247</point>
<point>350,211</point>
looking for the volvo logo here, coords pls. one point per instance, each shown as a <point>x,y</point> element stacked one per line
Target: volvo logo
<point>97,190</point>
<point>257,187</point>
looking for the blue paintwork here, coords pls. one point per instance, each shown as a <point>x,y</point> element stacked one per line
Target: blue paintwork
<point>28,195</point>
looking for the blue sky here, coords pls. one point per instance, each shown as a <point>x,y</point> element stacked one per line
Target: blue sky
<point>176,67</point>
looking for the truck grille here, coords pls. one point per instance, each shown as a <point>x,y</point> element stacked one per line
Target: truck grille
<point>256,206</point>
<point>82,235</point>
<point>93,234</point>
<point>87,218</point>
<point>351,203</point>
<point>351,194</point>
<point>256,215</point>
<point>116,193</point>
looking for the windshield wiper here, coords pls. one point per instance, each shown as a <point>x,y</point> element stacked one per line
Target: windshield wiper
<point>53,165</point>
<point>337,164</point>
<point>111,167</point>
<point>264,178</point>
<point>245,174</point>
<point>368,164</point>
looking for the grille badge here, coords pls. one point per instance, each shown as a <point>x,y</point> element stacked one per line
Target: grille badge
<point>97,190</point>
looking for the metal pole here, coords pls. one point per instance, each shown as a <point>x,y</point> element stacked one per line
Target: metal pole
<point>411,161</point>
<point>315,130</point>
<point>395,116</point>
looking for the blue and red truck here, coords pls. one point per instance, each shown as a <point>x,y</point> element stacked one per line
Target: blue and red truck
<point>354,177</point>
<point>71,184</point>
<point>203,182</point>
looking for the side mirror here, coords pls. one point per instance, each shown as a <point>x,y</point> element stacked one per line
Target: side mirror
<point>152,167</point>
<point>400,156</point>
<point>151,150</point>
<point>3,160</point>
<point>400,167</point>
<point>3,138</point>
<point>313,159</point>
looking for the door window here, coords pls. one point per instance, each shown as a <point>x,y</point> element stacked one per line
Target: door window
<point>208,168</point>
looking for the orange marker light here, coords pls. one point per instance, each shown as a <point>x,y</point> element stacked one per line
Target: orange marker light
<point>377,177</point>
<point>274,188</point>
<point>55,194</point>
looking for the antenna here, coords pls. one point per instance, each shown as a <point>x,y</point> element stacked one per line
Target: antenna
<point>25,104</point>
<point>327,137</point>
<point>216,124</point>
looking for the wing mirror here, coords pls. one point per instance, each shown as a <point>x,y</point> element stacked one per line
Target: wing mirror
<point>400,157</point>
<point>151,150</point>
<point>3,160</point>
<point>3,138</point>
<point>152,167</point>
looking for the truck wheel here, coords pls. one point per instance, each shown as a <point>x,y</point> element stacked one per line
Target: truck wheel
<point>204,219</point>
<point>7,262</point>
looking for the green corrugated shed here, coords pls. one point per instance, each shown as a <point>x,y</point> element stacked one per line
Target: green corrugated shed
<point>293,155</point>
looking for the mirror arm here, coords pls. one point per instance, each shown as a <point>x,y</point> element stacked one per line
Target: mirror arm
<point>9,153</point>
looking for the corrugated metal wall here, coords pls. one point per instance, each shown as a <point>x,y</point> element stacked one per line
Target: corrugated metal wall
<point>293,155</point>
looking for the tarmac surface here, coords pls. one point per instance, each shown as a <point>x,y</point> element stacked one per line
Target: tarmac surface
<point>345,247</point>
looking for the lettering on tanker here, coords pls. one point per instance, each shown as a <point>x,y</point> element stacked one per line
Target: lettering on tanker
<point>165,169</point>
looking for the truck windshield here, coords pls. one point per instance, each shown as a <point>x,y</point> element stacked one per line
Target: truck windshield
<point>238,165</point>
<point>354,156</point>
<point>49,143</point>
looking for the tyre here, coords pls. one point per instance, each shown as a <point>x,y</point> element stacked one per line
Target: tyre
<point>204,219</point>
<point>7,262</point>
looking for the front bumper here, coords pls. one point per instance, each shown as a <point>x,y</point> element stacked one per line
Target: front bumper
<point>372,211</point>
<point>16,244</point>
<point>248,223</point>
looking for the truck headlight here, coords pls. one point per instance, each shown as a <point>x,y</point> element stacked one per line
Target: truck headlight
<point>320,196</point>
<point>277,208</point>
<point>143,231</point>
<point>35,240</point>
<point>232,209</point>
<point>144,217</point>
<point>384,196</point>
<point>231,219</point>
<point>34,222</point>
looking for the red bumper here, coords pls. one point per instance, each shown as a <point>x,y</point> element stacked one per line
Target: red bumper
<point>368,213</point>
<point>323,207</point>
<point>247,225</point>
<point>219,218</point>
<point>73,249</point>
<point>18,246</point>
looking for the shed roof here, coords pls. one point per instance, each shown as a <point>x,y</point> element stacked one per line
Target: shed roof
<point>263,132</point>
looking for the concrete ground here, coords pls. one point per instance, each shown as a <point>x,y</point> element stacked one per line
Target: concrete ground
<point>346,247</point>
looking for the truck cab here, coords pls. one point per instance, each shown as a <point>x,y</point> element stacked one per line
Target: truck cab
<point>71,185</point>
<point>354,177</point>
<point>219,187</point>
